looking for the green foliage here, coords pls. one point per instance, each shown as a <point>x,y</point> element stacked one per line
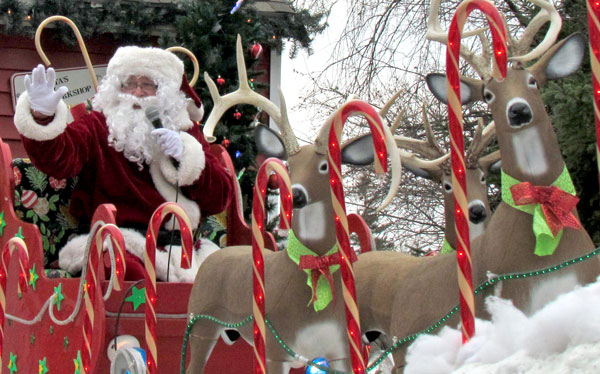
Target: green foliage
<point>209,30</point>
<point>570,104</point>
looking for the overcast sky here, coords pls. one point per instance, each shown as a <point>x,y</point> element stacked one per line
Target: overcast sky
<point>292,81</point>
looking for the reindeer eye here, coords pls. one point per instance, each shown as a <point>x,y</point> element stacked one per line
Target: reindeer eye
<point>532,82</point>
<point>447,186</point>
<point>488,96</point>
<point>482,179</point>
<point>323,167</point>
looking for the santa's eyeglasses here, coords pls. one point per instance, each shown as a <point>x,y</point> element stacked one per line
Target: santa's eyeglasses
<point>131,86</point>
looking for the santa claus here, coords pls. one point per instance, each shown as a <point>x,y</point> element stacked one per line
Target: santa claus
<point>136,150</point>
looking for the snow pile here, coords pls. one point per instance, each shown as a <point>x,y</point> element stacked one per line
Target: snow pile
<point>563,337</point>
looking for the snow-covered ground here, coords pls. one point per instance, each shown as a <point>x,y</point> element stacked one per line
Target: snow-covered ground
<point>563,337</point>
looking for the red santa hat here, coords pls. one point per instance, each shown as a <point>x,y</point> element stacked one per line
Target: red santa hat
<point>159,65</point>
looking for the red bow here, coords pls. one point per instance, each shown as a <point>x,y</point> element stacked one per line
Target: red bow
<point>320,265</point>
<point>556,204</point>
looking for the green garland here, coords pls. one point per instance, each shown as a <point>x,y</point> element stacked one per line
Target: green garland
<point>483,286</point>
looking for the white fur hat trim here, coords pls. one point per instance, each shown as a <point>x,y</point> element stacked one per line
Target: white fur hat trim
<point>155,63</point>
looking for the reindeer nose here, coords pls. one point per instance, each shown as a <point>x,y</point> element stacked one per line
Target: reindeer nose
<point>519,114</point>
<point>299,198</point>
<point>477,214</point>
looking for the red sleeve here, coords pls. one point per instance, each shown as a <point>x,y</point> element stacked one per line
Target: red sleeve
<point>213,190</point>
<point>64,156</point>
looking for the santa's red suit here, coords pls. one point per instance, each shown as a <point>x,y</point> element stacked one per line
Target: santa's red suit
<point>82,148</point>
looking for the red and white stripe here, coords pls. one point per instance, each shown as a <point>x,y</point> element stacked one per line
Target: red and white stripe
<point>14,244</point>
<point>162,212</point>
<point>459,185</point>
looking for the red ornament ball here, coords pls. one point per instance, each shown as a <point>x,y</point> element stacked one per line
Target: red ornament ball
<point>220,81</point>
<point>237,115</point>
<point>225,143</point>
<point>256,51</point>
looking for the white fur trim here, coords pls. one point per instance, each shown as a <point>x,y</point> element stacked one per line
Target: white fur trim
<point>155,63</point>
<point>196,114</point>
<point>29,128</point>
<point>71,256</point>
<point>168,191</point>
<point>191,164</point>
<point>179,274</point>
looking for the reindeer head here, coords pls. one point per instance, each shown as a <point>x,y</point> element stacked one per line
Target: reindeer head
<point>313,218</point>
<point>427,159</point>
<point>525,134</point>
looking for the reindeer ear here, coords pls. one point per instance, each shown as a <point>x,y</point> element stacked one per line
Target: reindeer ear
<point>358,151</point>
<point>563,59</point>
<point>436,83</point>
<point>269,143</point>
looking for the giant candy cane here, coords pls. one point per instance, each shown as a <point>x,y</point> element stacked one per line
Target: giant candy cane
<point>593,7</point>
<point>459,185</point>
<point>383,143</point>
<point>162,212</point>
<point>14,244</point>
<point>92,283</point>
<point>271,165</point>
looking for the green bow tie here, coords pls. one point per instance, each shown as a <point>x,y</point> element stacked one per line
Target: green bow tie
<point>323,293</point>
<point>545,241</point>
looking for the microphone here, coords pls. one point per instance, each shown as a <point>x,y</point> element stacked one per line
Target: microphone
<point>153,115</point>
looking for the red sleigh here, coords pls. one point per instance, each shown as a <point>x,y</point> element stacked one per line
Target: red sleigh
<point>43,328</point>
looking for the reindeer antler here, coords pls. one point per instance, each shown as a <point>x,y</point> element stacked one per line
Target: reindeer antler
<point>547,13</point>
<point>518,46</point>
<point>437,158</point>
<point>245,95</point>
<point>483,136</point>
<point>481,63</point>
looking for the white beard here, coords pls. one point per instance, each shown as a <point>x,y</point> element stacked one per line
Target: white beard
<point>128,127</point>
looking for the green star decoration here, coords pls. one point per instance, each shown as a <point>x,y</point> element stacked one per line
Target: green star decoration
<point>12,363</point>
<point>19,233</point>
<point>138,297</point>
<point>33,277</point>
<point>2,223</point>
<point>59,296</point>
<point>66,343</point>
<point>42,368</point>
<point>78,364</point>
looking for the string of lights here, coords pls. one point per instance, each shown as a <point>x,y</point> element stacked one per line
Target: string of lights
<point>483,286</point>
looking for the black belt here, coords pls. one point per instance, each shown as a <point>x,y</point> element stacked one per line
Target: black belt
<point>165,237</point>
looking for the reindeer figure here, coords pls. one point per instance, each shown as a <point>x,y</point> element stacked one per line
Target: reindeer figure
<point>223,286</point>
<point>400,296</point>
<point>439,171</point>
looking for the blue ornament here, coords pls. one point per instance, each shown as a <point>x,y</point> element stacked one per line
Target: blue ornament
<point>238,154</point>
<point>322,361</point>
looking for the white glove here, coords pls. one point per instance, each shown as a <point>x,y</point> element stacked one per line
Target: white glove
<point>170,142</point>
<point>40,90</point>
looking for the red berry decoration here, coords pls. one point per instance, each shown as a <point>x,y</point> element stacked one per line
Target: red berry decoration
<point>256,51</point>
<point>237,115</point>
<point>225,143</point>
<point>220,81</point>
